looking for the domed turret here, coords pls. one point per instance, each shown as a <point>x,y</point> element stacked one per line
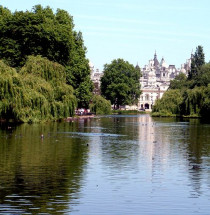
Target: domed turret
<point>163,63</point>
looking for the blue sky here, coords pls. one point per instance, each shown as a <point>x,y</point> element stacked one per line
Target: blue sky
<point>134,29</point>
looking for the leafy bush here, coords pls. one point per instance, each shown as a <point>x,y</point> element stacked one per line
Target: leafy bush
<point>100,105</point>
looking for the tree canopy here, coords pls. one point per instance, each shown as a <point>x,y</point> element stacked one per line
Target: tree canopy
<point>197,60</point>
<point>120,83</point>
<point>37,32</point>
<point>51,35</point>
<point>179,82</point>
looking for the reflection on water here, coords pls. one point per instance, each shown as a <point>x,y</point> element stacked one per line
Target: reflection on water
<point>106,165</point>
<point>37,174</point>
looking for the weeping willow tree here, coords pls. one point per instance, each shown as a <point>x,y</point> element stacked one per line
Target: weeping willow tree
<point>196,102</point>
<point>169,104</point>
<point>38,92</point>
<point>190,102</point>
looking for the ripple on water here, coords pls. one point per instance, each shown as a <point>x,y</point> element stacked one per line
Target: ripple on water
<point>92,134</point>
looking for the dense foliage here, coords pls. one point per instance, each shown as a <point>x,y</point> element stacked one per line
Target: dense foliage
<point>38,92</point>
<point>51,35</point>
<point>100,105</point>
<point>120,83</point>
<point>179,82</point>
<point>188,96</point>
<point>169,104</point>
<point>198,59</point>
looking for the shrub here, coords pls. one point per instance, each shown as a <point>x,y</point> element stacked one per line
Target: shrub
<point>100,105</point>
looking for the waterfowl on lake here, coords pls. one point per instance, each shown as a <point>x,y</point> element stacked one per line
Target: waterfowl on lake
<point>195,167</point>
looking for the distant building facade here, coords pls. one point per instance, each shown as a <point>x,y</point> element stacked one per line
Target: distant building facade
<point>95,76</point>
<point>155,81</point>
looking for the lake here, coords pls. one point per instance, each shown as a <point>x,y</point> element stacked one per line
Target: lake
<point>109,165</point>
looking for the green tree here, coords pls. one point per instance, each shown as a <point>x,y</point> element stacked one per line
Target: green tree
<point>198,60</point>
<point>169,104</point>
<point>179,82</point>
<point>203,78</point>
<point>84,93</point>
<point>120,83</point>
<point>205,109</point>
<point>78,73</point>
<point>193,100</point>
<point>38,32</point>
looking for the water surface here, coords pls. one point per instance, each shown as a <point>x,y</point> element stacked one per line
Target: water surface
<point>106,165</point>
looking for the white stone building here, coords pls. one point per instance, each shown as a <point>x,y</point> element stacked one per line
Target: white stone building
<point>155,80</point>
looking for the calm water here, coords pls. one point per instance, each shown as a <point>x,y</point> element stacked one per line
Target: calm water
<point>106,165</point>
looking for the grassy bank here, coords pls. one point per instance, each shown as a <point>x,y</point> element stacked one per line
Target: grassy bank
<point>163,114</point>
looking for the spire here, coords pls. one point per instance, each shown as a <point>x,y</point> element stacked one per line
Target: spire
<point>156,63</point>
<point>192,54</point>
<point>137,66</point>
